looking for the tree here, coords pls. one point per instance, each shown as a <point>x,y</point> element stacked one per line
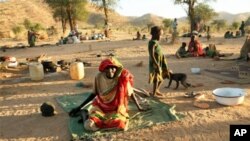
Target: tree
<point>68,10</point>
<point>235,25</point>
<point>247,21</point>
<point>190,10</point>
<point>204,13</point>
<point>106,5</point>
<point>17,29</point>
<point>219,24</point>
<point>27,24</point>
<point>60,15</point>
<point>32,26</point>
<point>167,23</point>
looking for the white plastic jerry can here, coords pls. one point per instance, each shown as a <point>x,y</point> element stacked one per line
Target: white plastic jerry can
<point>76,70</point>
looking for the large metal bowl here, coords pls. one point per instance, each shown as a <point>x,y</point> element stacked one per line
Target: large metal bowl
<point>229,96</point>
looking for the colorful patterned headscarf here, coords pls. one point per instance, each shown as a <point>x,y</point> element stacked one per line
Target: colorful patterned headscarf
<point>108,63</point>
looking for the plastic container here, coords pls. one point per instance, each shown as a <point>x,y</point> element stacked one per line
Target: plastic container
<point>36,71</point>
<point>76,70</point>
<point>12,64</point>
<point>196,70</point>
<point>229,96</point>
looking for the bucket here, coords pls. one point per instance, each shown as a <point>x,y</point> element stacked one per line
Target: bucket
<point>76,70</point>
<point>36,71</point>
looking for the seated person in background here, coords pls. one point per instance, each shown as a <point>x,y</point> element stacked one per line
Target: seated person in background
<point>181,52</point>
<point>195,47</point>
<point>61,41</point>
<point>70,39</point>
<point>227,35</point>
<point>237,34</point>
<point>231,35</point>
<point>86,36</point>
<point>144,37</point>
<point>138,36</point>
<point>211,51</point>
<point>75,39</point>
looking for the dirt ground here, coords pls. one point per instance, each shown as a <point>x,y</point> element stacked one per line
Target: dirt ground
<point>20,98</point>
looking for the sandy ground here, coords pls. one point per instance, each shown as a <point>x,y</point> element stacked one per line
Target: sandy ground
<point>20,98</point>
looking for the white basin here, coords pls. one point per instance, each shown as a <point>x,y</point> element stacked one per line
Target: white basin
<point>195,70</point>
<point>229,96</point>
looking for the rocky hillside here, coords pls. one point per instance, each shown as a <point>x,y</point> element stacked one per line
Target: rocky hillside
<point>233,17</point>
<point>14,12</point>
<point>147,18</point>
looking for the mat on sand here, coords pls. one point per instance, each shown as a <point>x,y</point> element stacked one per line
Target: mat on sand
<point>230,57</point>
<point>227,75</point>
<point>160,113</point>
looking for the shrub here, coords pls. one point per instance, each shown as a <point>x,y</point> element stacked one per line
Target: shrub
<point>17,29</point>
<point>27,24</point>
<point>37,27</point>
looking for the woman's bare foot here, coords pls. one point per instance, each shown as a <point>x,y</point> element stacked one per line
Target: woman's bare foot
<point>159,95</point>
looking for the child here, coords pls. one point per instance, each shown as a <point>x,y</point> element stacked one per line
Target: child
<point>158,69</point>
<point>181,52</point>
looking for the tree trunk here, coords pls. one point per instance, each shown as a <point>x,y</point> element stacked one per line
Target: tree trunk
<point>191,15</point>
<point>63,20</point>
<point>64,23</point>
<point>69,13</point>
<point>106,20</point>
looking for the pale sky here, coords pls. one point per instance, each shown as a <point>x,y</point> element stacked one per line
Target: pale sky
<point>167,9</point>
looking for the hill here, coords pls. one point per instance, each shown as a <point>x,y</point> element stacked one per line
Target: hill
<point>233,17</point>
<point>14,12</point>
<point>146,19</point>
<point>226,16</point>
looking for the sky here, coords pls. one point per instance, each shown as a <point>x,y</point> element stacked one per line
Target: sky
<point>167,9</point>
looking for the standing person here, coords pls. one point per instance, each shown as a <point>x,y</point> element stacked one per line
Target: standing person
<point>174,26</point>
<point>242,28</point>
<point>158,69</point>
<point>29,37</point>
<point>32,37</point>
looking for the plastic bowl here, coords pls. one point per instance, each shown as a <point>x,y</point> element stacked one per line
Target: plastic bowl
<point>195,70</point>
<point>229,96</point>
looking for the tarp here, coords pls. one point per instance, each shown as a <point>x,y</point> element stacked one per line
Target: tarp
<point>160,113</point>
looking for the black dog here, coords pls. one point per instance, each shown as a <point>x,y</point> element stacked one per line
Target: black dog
<point>178,77</point>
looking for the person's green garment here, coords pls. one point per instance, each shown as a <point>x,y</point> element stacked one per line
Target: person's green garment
<point>182,52</point>
<point>32,40</point>
<point>210,53</point>
<point>161,61</point>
